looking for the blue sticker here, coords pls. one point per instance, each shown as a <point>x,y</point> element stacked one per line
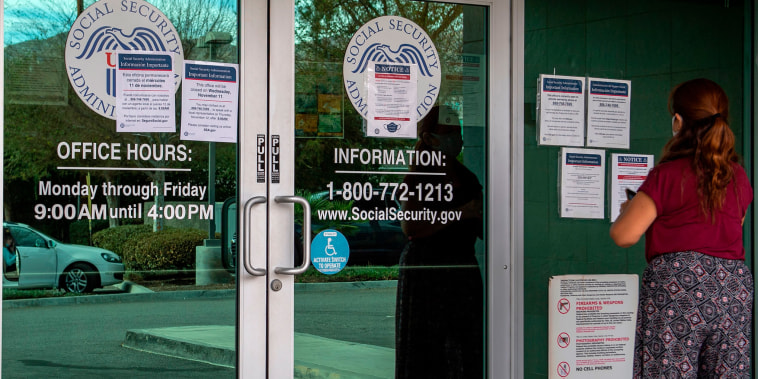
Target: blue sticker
<point>329,252</point>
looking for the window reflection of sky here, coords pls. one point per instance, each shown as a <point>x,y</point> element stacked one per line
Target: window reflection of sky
<point>37,19</point>
<point>40,19</point>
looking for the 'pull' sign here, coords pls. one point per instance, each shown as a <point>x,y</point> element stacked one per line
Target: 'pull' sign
<point>275,151</point>
<point>261,161</point>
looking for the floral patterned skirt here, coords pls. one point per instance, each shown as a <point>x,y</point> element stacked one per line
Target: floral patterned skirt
<point>694,318</point>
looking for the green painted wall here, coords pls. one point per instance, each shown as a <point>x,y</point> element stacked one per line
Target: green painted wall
<point>655,44</point>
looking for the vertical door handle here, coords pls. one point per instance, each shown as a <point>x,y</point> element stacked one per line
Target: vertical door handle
<point>306,235</point>
<point>246,237</point>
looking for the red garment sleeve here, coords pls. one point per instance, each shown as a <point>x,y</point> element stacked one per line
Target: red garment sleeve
<point>652,187</point>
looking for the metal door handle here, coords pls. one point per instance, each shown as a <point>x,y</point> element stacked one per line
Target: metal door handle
<point>306,235</point>
<point>245,237</point>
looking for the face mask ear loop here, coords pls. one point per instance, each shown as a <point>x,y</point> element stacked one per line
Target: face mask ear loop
<point>673,131</point>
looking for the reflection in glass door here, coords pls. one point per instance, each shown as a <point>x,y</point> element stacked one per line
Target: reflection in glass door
<point>110,232</point>
<point>399,221</point>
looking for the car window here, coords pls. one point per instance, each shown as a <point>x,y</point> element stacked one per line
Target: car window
<point>25,237</point>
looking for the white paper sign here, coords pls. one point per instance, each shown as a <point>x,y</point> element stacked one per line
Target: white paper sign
<point>145,92</point>
<point>627,171</point>
<point>210,101</point>
<point>608,113</point>
<point>466,78</point>
<point>391,100</point>
<point>591,326</point>
<point>582,183</point>
<point>560,113</point>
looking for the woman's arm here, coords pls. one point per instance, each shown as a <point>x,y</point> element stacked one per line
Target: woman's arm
<point>636,216</point>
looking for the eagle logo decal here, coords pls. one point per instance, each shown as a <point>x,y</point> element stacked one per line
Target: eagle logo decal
<point>112,39</point>
<point>405,53</point>
<point>392,40</point>
<point>105,28</point>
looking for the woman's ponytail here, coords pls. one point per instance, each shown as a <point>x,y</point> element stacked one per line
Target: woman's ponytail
<point>714,155</point>
<point>705,137</point>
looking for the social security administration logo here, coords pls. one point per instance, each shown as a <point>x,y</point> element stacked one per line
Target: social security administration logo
<point>108,26</point>
<point>391,39</point>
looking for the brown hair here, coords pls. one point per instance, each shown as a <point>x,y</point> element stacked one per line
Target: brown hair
<point>705,137</point>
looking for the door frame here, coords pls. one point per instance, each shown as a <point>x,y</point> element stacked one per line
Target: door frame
<point>253,117</point>
<point>2,149</point>
<point>505,285</point>
<point>505,182</point>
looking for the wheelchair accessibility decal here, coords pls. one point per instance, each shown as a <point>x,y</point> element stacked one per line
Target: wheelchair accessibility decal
<point>329,252</point>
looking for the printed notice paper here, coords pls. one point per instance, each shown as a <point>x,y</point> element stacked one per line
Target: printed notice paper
<point>391,100</point>
<point>591,326</point>
<point>627,171</point>
<point>608,113</point>
<point>560,113</point>
<point>582,183</point>
<point>466,78</point>
<point>210,102</point>
<point>145,92</point>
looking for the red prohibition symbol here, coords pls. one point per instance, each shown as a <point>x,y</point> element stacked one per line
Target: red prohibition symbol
<point>564,340</point>
<point>563,369</point>
<point>564,306</point>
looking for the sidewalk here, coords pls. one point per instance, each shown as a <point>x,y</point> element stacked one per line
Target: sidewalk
<point>315,357</point>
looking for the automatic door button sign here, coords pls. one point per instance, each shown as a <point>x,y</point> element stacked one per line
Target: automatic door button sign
<point>329,252</point>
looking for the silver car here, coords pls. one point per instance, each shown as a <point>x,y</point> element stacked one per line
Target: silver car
<point>43,262</point>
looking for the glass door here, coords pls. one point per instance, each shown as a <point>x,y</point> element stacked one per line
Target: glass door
<point>113,230</point>
<point>380,119</point>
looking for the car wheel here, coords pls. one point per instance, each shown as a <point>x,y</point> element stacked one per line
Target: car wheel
<point>79,278</point>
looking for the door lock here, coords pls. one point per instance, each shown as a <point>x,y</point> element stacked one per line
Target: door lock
<point>276,284</point>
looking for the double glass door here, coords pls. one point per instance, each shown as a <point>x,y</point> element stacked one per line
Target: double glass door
<point>348,229</point>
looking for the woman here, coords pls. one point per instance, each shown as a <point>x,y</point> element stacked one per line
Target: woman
<point>694,317</point>
<point>440,321</point>
<point>9,254</point>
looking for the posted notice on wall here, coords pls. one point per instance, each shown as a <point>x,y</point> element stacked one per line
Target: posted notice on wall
<point>582,183</point>
<point>628,171</point>
<point>145,92</point>
<point>608,113</point>
<point>560,110</point>
<point>391,100</point>
<point>592,320</point>
<point>210,101</point>
<point>466,78</point>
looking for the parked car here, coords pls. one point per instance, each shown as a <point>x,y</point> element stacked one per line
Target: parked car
<point>43,262</point>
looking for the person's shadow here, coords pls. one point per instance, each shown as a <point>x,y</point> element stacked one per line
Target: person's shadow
<point>440,296</point>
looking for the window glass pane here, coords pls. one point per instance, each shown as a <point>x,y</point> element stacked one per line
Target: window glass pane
<point>106,212</point>
<point>362,180</point>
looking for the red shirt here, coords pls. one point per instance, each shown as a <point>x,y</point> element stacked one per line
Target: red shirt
<point>682,226</point>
